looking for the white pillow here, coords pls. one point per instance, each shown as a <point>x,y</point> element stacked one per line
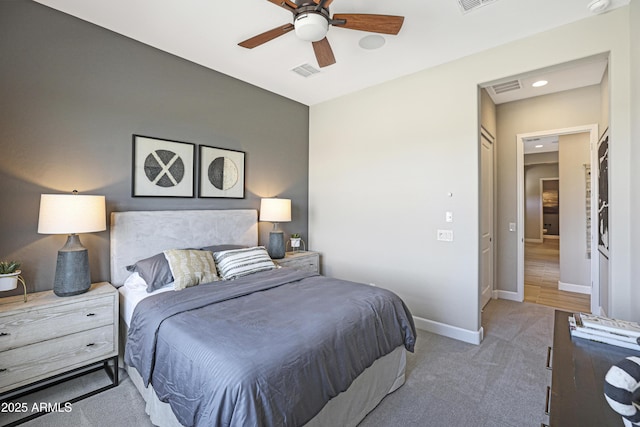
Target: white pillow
<point>241,262</point>
<point>191,267</point>
<point>135,281</point>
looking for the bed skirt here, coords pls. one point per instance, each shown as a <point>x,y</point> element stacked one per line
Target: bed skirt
<point>347,409</point>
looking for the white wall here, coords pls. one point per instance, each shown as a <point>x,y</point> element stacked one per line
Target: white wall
<point>384,160</point>
<point>633,302</point>
<point>575,266</point>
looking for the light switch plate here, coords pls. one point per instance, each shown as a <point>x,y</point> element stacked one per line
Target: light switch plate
<point>445,235</point>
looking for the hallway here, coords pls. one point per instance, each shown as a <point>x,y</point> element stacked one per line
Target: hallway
<point>541,275</point>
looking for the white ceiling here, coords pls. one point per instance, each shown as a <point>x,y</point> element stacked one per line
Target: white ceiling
<point>541,144</point>
<point>570,75</point>
<point>434,32</point>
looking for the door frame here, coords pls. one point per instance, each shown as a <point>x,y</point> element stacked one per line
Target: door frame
<point>485,134</point>
<point>592,129</point>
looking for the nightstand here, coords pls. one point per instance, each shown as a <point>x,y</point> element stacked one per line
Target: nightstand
<point>50,339</point>
<point>301,260</point>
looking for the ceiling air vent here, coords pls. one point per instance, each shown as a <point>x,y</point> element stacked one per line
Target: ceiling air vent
<point>305,70</point>
<point>469,5</point>
<point>506,87</point>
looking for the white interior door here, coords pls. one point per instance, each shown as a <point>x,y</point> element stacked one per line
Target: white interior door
<point>486,217</point>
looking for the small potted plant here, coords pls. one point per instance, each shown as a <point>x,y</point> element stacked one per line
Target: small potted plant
<point>295,242</point>
<point>9,275</point>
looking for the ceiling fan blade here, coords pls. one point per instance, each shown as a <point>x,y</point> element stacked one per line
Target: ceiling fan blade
<point>323,52</point>
<point>287,4</point>
<point>385,24</point>
<point>266,36</point>
<point>326,2</point>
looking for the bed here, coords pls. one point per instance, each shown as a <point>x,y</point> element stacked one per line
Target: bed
<point>318,368</point>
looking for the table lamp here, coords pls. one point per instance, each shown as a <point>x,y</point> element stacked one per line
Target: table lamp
<point>275,210</point>
<point>71,214</point>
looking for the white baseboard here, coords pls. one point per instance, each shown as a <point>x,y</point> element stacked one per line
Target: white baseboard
<point>509,295</point>
<point>552,236</point>
<point>529,240</point>
<point>471,337</point>
<point>570,287</point>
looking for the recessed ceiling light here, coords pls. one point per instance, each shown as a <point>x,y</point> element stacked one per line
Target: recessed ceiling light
<point>539,146</point>
<point>598,6</point>
<point>373,41</point>
<point>540,83</point>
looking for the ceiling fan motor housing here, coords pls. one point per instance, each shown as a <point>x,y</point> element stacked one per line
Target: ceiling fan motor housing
<point>311,25</point>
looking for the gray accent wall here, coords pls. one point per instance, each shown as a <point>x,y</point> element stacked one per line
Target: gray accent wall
<point>71,96</point>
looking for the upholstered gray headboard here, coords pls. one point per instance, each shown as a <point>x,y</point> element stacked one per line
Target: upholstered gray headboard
<point>140,234</point>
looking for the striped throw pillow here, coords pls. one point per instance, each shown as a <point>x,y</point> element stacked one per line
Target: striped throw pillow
<point>191,267</point>
<point>622,389</point>
<point>241,262</point>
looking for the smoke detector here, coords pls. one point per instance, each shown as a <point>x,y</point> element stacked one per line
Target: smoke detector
<point>598,6</point>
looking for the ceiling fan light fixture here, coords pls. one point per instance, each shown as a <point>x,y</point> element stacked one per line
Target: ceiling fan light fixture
<point>311,27</point>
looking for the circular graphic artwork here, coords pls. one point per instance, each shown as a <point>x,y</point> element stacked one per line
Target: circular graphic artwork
<point>223,173</point>
<point>164,168</point>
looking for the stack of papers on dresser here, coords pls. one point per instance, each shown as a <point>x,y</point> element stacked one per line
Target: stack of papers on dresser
<point>603,329</point>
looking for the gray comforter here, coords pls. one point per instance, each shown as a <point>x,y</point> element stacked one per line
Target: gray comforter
<point>269,349</point>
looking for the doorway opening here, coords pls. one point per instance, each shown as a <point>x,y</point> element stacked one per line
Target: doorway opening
<point>540,261</point>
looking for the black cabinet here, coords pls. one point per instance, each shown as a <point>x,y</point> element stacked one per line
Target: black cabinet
<point>577,382</point>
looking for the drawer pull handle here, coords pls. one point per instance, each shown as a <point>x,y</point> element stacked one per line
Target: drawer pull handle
<point>549,349</point>
<point>90,314</point>
<point>547,401</point>
<point>4,334</point>
<point>91,344</point>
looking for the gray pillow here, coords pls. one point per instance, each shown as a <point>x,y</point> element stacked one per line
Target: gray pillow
<point>154,270</point>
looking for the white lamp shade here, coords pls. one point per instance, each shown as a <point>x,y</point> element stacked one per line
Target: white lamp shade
<point>71,214</point>
<point>275,210</point>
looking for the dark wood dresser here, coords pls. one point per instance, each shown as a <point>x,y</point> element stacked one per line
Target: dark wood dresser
<point>577,381</point>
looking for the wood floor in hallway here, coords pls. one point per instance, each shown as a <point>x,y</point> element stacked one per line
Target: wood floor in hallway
<point>541,275</point>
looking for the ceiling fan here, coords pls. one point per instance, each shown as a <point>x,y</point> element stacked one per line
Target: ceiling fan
<point>311,22</point>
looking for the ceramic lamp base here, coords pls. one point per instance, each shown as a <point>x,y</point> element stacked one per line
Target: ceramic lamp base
<point>276,248</point>
<point>72,269</point>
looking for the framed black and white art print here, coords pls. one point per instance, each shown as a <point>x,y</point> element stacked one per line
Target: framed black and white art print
<point>162,168</point>
<point>603,194</point>
<point>221,173</point>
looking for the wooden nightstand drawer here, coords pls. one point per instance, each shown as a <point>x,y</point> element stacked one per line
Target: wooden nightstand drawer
<point>26,327</point>
<point>49,340</point>
<point>32,362</point>
<point>304,261</point>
